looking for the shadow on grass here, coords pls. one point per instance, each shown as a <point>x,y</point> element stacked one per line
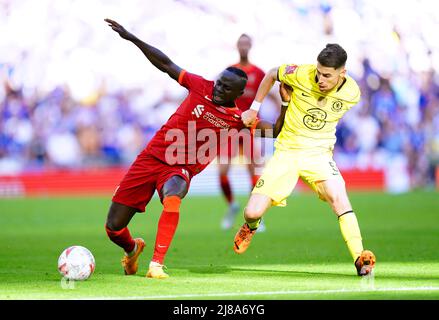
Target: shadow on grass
<point>262,272</point>
<point>219,269</point>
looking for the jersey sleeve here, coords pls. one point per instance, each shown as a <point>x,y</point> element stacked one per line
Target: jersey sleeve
<point>355,93</point>
<point>350,94</point>
<point>287,74</point>
<point>191,81</point>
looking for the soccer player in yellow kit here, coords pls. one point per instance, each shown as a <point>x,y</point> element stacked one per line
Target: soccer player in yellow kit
<point>321,95</point>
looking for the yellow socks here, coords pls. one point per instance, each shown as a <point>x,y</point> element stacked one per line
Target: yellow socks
<point>351,233</point>
<point>254,225</point>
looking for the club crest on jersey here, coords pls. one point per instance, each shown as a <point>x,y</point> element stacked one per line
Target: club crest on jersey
<point>260,183</point>
<point>290,69</point>
<point>337,106</point>
<point>198,110</point>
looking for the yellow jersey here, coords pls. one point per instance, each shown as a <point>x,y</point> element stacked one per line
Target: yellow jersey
<point>312,116</point>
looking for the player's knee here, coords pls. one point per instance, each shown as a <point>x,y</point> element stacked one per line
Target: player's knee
<point>333,199</point>
<point>181,193</point>
<point>112,224</point>
<point>339,203</point>
<point>175,186</point>
<point>115,222</point>
<point>253,213</point>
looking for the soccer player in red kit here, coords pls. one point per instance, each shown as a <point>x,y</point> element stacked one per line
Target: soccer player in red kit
<point>252,152</point>
<point>176,153</point>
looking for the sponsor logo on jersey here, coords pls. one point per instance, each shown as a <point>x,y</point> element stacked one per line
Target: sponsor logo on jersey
<point>217,122</point>
<point>315,119</point>
<point>198,110</point>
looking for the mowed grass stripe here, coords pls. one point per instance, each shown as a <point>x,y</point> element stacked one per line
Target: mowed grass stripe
<point>268,293</point>
<point>302,249</point>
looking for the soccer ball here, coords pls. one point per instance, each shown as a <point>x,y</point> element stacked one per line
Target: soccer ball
<point>76,263</point>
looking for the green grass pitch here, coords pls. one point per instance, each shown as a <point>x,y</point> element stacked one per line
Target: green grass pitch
<point>300,256</point>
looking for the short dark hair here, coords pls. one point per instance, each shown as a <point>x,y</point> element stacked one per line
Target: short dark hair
<point>333,55</point>
<point>238,72</point>
<point>245,35</point>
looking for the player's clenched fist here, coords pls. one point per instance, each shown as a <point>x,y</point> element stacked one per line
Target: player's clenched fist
<point>249,117</point>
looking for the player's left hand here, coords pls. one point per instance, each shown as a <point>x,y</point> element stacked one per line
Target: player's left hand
<point>120,29</point>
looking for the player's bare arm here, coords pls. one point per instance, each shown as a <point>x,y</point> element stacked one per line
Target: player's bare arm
<point>154,55</point>
<point>285,92</point>
<point>249,116</point>
<point>266,84</point>
<point>269,130</point>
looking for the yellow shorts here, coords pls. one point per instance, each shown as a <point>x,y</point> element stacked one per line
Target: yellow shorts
<point>282,171</point>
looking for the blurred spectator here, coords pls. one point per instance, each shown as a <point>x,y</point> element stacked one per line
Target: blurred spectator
<point>67,100</point>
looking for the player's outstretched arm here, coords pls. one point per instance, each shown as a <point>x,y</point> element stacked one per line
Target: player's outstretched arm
<point>154,55</point>
<point>249,116</point>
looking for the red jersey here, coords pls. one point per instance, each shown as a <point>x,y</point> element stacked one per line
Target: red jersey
<point>192,135</point>
<point>255,76</point>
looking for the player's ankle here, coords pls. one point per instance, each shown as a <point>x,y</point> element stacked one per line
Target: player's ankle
<point>131,253</point>
<point>253,225</point>
<point>154,264</point>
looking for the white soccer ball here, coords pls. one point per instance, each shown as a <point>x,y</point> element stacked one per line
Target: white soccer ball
<point>76,263</point>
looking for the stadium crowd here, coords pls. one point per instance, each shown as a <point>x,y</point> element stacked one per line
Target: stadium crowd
<point>73,96</point>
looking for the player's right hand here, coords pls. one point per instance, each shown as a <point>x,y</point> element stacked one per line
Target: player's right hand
<point>249,117</point>
<point>119,29</point>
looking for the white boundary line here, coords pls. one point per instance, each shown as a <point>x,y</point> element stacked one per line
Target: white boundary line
<point>259,293</point>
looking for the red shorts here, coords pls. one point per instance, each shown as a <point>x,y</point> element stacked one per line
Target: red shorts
<point>146,175</point>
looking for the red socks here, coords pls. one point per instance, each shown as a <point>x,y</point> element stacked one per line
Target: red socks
<point>122,238</point>
<point>226,188</point>
<point>165,233</point>
<point>166,227</point>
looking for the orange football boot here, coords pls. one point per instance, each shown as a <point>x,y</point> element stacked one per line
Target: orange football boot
<point>243,238</point>
<point>129,263</point>
<point>365,263</point>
